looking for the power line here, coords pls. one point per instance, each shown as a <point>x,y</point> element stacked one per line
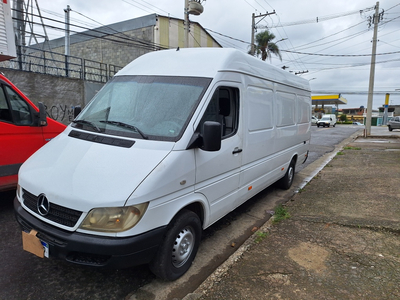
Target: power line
<point>136,43</point>
<point>137,6</point>
<point>328,36</point>
<point>227,36</point>
<point>91,33</point>
<point>321,19</point>
<point>340,55</point>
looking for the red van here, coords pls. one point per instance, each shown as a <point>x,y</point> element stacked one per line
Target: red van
<point>24,128</point>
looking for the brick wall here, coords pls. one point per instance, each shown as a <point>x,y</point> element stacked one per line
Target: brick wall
<point>118,52</point>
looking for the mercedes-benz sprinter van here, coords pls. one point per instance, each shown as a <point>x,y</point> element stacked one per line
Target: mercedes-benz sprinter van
<point>175,141</point>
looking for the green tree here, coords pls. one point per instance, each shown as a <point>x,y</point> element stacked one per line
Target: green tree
<point>343,118</point>
<point>265,46</point>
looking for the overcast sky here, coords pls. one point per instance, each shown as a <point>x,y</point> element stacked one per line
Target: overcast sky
<point>334,52</point>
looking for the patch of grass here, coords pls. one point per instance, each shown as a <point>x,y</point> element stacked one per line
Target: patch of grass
<point>260,236</point>
<point>352,148</point>
<point>281,214</point>
<point>340,153</point>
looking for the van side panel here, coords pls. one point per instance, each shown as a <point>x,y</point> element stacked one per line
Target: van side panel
<point>276,127</point>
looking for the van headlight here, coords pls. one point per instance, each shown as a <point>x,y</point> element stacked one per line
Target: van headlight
<point>114,219</point>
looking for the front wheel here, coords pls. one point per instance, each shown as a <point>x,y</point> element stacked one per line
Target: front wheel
<point>179,248</point>
<point>287,180</point>
<point>390,128</point>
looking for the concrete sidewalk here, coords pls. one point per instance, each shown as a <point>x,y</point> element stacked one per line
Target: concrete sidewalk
<point>341,241</point>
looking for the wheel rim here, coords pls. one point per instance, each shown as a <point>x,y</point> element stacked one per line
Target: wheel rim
<point>290,174</point>
<point>183,247</point>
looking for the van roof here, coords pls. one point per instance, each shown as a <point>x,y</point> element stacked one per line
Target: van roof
<point>207,62</point>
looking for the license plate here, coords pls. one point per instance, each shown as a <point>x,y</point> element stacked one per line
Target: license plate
<point>45,248</point>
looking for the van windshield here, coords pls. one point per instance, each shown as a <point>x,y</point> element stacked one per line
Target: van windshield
<point>147,107</point>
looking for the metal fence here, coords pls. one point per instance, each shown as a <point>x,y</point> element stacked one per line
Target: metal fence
<point>52,63</point>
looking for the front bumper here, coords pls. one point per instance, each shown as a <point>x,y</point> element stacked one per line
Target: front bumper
<point>85,249</point>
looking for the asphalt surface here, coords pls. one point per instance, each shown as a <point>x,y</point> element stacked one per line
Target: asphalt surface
<point>342,238</point>
<point>25,277</point>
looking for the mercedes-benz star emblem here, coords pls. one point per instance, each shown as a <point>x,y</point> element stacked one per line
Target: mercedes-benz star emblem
<point>43,205</point>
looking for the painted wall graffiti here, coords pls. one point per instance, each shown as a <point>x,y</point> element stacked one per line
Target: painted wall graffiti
<point>61,113</point>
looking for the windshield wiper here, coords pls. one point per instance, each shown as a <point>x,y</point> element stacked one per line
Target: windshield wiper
<point>87,123</point>
<point>122,124</point>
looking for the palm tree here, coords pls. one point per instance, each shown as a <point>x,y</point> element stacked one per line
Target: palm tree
<point>265,46</point>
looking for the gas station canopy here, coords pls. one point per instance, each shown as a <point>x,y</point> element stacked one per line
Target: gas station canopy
<point>328,99</point>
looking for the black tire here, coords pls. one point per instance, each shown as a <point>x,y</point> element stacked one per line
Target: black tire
<point>390,128</point>
<point>334,125</point>
<point>286,182</point>
<point>318,125</point>
<point>179,248</point>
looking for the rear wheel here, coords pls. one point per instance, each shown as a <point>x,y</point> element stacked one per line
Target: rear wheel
<point>286,182</point>
<point>179,248</point>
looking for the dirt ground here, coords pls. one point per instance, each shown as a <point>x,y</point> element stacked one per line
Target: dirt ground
<point>342,240</point>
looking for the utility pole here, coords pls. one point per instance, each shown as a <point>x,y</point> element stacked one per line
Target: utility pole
<point>367,131</point>
<point>253,28</point>
<point>192,7</point>
<point>67,31</point>
<point>187,25</point>
<point>67,39</point>
<point>19,29</point>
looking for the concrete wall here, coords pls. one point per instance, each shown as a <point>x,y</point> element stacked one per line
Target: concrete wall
<point>59,94</point>
<point>114,51</point>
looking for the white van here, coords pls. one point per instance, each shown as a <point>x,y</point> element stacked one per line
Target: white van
<point>327,120</point>
<point>175,141</point>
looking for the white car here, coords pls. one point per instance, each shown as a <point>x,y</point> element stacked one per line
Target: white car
<point>314,120</point>
<point>394,123</point>
<point>327,120</point>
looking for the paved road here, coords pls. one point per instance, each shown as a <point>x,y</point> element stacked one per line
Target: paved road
<point>25,276</point>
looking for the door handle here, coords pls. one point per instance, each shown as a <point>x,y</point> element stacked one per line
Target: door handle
<point>236,150</point>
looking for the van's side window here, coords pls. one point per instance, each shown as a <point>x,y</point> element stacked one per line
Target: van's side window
<point>5,114</point>
<point>20,113</point>
<point>223,108</point>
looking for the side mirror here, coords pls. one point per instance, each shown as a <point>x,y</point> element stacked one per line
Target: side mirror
<point>211,136</point>
<point>77,111</point>
<point>42,115</point>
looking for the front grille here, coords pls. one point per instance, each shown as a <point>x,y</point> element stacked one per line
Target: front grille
<point>57,213</point>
